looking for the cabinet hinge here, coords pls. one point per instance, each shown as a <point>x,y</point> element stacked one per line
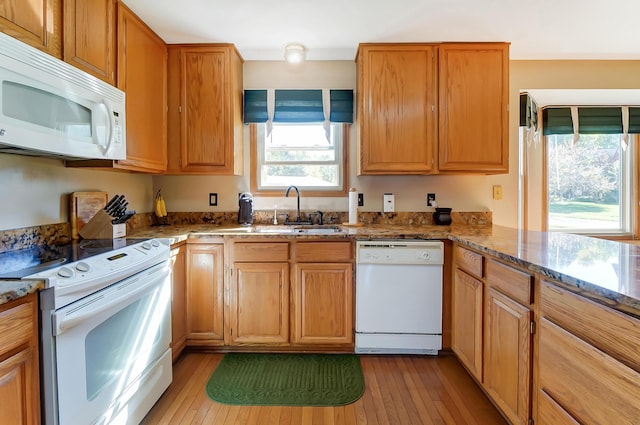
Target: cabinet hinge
<point>179,109</point>
<point>433,108</point>
<point>532,327</point>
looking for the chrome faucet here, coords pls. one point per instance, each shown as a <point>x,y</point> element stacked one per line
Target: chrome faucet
<point>298,218</point>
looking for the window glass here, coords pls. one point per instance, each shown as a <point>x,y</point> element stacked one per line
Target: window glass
<point>300,155</point>
<point>588,183</point>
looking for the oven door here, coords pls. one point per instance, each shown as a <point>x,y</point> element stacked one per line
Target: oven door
<point>105,342</point>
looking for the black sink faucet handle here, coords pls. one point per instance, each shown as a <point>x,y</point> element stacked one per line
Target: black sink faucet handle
<point>320,220</point>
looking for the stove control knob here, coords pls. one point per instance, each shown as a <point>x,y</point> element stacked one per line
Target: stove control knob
<point>83,267</point>
<point>146,246</point>
<point>155,243</point>
<point>66,272</point>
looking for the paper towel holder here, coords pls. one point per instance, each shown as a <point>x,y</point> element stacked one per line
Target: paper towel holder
<point>353,193</point>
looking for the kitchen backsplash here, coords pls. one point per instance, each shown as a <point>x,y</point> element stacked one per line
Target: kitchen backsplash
<point>60,233</point>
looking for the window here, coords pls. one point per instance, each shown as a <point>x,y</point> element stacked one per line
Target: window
<point>299,154</point>
<point>589,183</point>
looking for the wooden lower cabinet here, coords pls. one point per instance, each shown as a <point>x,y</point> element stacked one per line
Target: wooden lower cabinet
<point>205,294</point>
<point>323,303</point>
<point>19,370</point>
<point>588,361</point>
<point>178,300</point>
<point>259,304</point>
<point>508,356</point>
<point>466,329</point>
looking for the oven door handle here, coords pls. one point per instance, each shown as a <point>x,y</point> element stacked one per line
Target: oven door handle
<point>131,291</point>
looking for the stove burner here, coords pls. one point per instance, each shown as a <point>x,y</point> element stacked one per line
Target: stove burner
<point>24,262</point>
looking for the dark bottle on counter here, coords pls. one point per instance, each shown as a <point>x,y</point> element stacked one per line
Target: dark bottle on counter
<point>245,212</point>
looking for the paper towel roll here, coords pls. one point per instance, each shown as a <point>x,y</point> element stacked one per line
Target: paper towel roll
<point>353,206</point>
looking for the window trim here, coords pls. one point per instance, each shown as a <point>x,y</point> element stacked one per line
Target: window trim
<point>634,209</point>
<point>253,143</point>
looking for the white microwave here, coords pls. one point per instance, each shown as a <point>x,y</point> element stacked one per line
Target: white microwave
<point>50,108</point>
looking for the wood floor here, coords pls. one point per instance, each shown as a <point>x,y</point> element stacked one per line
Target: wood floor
<point>402,390</point>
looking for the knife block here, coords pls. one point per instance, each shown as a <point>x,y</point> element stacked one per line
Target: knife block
<point>100,227</point>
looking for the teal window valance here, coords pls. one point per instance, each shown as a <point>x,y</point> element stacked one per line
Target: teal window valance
<point>591,120</point>
<point>297,106</point>
<point>528,111</point>
<point>341,106</point>
<point>255,106</point>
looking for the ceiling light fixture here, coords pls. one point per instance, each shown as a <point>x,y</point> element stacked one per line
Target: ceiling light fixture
<point>295,53</point>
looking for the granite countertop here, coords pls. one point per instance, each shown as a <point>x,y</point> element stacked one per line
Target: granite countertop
<point>14,289</point>
<point>600,269</point>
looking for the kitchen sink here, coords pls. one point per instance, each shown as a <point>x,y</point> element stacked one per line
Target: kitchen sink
<point>306,230</point>
<point>318,230</point>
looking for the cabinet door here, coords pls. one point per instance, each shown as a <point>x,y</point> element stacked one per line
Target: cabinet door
<point>35,22</point>
<point>466,332</point>
<point>507,356</point>
<point>90,37</point>
<point>474,97</point>
<point>396,109</point>
<point>205,294</point>
<point>323,303</point>
<point>178,300</point>
<point>142,75</point>
<point>19,373</point>
<point>19,391</point>
<point>259,304</point>
<point>210,110</point>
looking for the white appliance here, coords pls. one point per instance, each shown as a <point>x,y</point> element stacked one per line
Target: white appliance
<point>399,297</point>
<point>50,108</point>
<point>105,336</point>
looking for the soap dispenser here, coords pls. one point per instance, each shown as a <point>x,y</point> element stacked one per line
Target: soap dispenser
<point>245,212</point>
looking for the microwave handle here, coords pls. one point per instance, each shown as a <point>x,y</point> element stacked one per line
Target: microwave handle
<point>112,125</point>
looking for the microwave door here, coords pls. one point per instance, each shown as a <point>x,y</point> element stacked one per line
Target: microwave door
<point>72,118</point>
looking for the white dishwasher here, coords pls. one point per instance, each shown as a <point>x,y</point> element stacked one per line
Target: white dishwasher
<point>399,297</point>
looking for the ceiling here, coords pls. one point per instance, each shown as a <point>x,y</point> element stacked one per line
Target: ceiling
<point>332,29</point>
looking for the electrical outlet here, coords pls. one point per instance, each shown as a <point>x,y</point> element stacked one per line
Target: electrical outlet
<point>388,203</point>
<point>361,199</point>
<point>497,192</point>
<point>213,199</point>
<point>431,198</point>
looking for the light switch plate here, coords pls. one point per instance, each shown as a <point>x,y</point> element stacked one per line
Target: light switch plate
<point>388,202</point>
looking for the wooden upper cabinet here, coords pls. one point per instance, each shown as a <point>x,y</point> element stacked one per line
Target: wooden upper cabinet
<point>474,98</point>
<point>90,37</point>
<point>142,75</point>
<point>35,22</point>
<point>397,115</point>
<point>209,106</point>
<point>433,108</point>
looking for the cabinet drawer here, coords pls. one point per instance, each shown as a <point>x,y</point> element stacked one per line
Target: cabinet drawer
<point>551,413</point>
<point>611,331</point>
<point>16,325</point>
<point>469,261</point>
<point>510,281</point>
<point>588,383</point>
<point>320,252</point>
<point>261,251</point>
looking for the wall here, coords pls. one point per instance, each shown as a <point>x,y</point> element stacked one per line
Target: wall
<point>562,75</point>
<point>35,191</point>
<point>462,193</point>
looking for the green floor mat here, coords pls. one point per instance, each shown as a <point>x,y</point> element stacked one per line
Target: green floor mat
<point>287,379</point>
